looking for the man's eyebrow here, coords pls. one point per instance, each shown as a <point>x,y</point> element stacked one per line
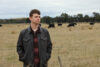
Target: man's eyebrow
<point>37,16</point>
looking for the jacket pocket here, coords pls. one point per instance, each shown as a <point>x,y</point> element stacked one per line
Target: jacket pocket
<point>26,39</point>
<point>43,38</point>
<point>26,42</point>
<point>21,58</point>
<point>43,43</point>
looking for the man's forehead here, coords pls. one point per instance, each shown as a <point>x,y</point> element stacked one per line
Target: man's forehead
<point>35,14</point>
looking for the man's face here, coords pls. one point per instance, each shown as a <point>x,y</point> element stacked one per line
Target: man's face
<point>35,18</point>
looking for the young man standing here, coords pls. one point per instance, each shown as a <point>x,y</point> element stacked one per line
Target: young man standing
<point>34,44</point>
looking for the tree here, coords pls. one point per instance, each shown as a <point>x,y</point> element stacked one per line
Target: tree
<point>86,18</point>
<point>64,17</point>
<point>80,17</point>
<point>96,16</point>
<point>47,19</point>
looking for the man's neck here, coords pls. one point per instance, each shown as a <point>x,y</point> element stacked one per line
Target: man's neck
<point>34,26</point>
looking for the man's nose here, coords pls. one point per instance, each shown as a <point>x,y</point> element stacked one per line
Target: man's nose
<point>38,18</point>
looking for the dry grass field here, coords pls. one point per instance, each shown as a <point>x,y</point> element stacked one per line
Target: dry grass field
<point>78,46</point>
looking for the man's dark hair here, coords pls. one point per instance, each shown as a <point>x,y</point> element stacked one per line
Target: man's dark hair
<point>34,11</point>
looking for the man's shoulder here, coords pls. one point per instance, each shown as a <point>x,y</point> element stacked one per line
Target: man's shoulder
<point>44,29</point>
<point>23,30</point>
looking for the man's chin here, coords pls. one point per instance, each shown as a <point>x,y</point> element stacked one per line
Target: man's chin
<point>38,23</point>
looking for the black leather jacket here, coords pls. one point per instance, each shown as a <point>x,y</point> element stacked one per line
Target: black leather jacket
<point>25,46</point>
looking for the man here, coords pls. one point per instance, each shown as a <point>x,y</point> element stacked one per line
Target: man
<point>34,44</point>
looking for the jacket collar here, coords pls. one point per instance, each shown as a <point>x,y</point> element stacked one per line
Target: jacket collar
<point>29,29</point>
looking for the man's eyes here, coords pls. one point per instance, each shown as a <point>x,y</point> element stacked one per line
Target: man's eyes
<point>37,17</point>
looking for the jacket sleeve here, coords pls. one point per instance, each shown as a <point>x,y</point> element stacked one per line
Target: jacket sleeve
<point>49,47</point>
<point>20,49</point>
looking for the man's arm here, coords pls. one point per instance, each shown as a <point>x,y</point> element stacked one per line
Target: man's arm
<point>20,49</point>
<point>49,47</point>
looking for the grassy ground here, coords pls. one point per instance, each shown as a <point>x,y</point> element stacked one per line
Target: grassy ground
<point>77,46</point>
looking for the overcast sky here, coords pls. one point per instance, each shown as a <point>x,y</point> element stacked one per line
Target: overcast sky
<point>21,8</point>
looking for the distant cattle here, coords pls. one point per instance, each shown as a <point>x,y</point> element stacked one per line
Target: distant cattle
<point>51,26</point>
<point>0,25</point>
<point>92,23</point>
<point>59,24</point>
<point>71,24</point>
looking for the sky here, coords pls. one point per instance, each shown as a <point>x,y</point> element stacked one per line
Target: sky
<point>21,8</point>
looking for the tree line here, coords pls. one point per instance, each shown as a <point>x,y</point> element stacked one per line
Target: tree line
<point>63,18</point>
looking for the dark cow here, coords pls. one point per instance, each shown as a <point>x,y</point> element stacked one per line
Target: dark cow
<point>71,24</point>
<point>51,26</point>
<point>59,24</point>
<point>92,23</point>
<point>0,25</point>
